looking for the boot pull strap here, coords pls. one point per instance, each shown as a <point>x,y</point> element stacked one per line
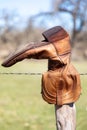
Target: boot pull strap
<point>55,34</point>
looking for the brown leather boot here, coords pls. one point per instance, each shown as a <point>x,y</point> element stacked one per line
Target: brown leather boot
<point>61,84</point>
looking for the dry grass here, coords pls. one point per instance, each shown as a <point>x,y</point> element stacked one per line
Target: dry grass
<point>21,104</point>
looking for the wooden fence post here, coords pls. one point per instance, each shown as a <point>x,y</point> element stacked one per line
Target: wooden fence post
<point>65,117</point>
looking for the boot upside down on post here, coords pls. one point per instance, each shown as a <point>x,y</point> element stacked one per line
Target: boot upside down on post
<point>61,83</point>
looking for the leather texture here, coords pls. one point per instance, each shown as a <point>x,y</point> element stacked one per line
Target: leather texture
<point>43,50</point>
<point>61,83</point>
<point>61,86</point>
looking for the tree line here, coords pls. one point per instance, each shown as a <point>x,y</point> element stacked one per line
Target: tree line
<point>74,19</point>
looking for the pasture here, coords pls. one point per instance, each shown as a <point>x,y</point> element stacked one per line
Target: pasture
<point>21,104</point>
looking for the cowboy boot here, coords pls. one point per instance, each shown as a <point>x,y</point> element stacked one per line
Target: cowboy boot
<point>56,48</point>
<point>50,48</point>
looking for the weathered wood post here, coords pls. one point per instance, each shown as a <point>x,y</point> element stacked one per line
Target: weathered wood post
<point>65,117</point>
<point>61,83</point>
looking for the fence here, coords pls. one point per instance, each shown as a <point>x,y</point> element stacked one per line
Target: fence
<point>27,73</point>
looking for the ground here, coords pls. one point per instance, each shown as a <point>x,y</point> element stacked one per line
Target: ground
<point>21,104</point>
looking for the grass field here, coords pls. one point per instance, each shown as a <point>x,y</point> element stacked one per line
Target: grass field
<point>21,104</point>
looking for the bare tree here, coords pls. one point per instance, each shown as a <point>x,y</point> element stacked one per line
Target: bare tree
<point>9,20</point>
<point>77,9</point>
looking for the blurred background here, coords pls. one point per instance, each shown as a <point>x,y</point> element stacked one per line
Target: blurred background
<point>21,22</point>
<point>24,20</point>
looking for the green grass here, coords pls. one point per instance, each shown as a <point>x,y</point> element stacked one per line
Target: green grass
<point>21,104</point>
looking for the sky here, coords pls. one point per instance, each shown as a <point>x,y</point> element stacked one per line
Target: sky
<point>25,8</point>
